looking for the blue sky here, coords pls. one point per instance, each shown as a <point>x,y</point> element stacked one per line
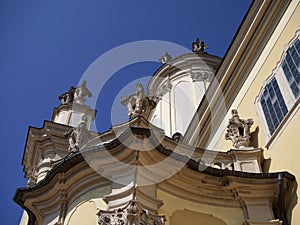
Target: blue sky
<point>46,46</point>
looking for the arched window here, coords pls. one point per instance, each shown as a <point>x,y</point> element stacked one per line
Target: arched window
<point>280,92</point>
<point>291,68</point>
<point>273,105</point>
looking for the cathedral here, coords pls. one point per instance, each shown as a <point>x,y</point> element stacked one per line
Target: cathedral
<point>209,141</point>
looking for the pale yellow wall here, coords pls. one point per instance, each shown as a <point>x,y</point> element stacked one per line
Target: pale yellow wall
<point>84,214</point>
<point>182,217</point>
<point>84,209</point>
<point>174,207</point>
<point>285,156</point>
<point>285,150</point>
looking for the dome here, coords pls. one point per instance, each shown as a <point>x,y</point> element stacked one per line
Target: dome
<point>178,86</point>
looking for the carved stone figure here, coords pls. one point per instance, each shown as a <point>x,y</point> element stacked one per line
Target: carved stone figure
<point>81,93</point>
<point>78,136</point>
<point>165,58</point>
<point>138,103</point>
<point>68,97</point>
<point>238,130</point>
<point>132,214</point>
<point>199,46</point>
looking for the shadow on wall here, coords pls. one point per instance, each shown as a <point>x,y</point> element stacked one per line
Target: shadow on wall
<point>254,138</point>
<point>293,201</point>
<point>186,216</point>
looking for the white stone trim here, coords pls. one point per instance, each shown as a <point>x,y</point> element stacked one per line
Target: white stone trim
<point>265,53</point>
<point>287,95</point>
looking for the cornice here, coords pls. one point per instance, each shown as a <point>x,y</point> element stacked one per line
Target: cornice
<point>202,180</point>
<point>179,65</point>
<point>39,140</point>
<point>74,106</point>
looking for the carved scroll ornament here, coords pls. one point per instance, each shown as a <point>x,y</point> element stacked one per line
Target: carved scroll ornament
<point>238,130</point>
<point>131,214</point>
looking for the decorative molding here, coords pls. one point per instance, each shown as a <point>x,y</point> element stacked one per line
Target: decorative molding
<point>131,214</point>
<point>138,104</point>
<point>238,130</point>
<point>254,34</point>
<point>286,92</point>
<point>165,88</point>
<point>202,76</point>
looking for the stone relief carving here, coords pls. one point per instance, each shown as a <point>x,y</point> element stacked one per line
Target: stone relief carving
<point>199,46</point>
<point>165,58</point>
<point>202,76</point>
<point>138,104</point>
<point>118,217</point>
<point>131,214</point>
<point>238,130</point>
<point>157,94</point>
<point>81,93</point>
<point>78,136</point>
<point>165,88</point>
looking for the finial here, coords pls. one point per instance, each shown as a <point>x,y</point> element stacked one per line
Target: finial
<point>165,58</point>
<point>238,130</point>
<point>199,46</point>
<point>138,103</point>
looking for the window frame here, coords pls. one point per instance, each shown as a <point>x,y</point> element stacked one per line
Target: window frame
<point>291,102</point>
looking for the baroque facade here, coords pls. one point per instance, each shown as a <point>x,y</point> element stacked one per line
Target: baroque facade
<point>211,141</point>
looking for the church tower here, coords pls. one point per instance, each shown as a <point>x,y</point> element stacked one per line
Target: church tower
<point>179,85</point>
<point>48,145</point>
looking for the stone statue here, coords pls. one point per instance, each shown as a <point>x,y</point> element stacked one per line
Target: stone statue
<point>78,136</point>
<point>199,46</point>
<point>238,130</point>
<point>81,93</point>
<point>68,97</point>
<point>138,103</point>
